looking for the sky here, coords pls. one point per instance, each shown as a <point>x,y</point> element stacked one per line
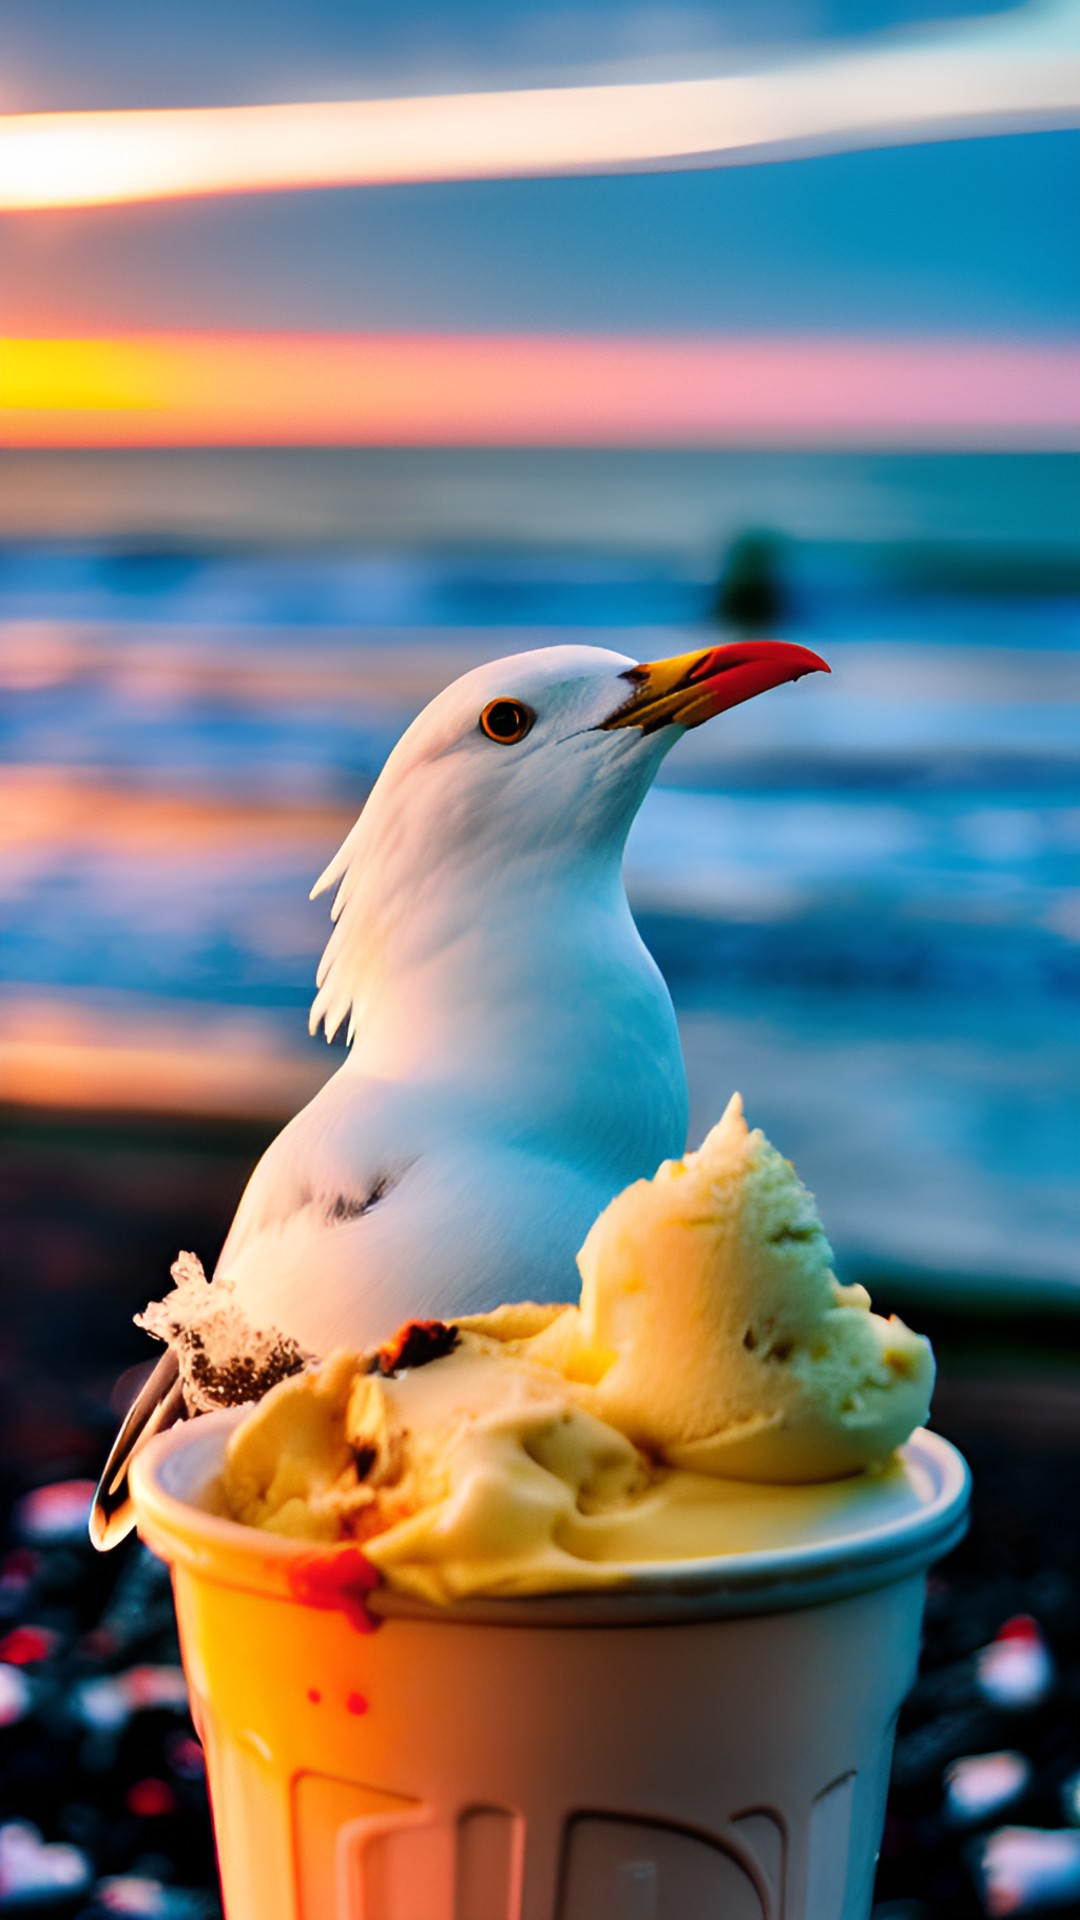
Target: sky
<point>957,238</point>
<point>948,248</point>
<point>64,54</point>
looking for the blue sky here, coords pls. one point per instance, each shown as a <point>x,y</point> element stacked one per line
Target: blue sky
<point>967,237</point>
<point>72,54</point>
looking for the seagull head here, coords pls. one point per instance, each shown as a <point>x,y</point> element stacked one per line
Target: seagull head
<point>516,788</point>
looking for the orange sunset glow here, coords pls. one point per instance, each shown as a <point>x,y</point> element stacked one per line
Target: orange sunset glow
<point>376,390</point>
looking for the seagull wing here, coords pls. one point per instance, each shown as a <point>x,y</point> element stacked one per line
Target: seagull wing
<point>377,1204</point>
<point>465,1225</point>
<point>386,1200</point>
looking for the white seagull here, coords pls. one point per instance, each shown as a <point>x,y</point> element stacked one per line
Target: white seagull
<point>514,1059</point>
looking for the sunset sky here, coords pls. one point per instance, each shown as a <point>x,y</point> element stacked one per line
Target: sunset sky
<point>950,266</point>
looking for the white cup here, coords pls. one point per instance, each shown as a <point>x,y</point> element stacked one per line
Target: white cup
<point>709,1742</point>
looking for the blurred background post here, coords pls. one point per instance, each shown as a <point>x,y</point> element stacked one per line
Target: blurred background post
<point>342,351</point>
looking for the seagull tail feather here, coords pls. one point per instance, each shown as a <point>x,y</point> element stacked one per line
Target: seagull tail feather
<point>158,1404</point>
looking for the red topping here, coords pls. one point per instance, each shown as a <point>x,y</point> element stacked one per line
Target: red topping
<point>356,1703</point>
<point>314,1696</point>
<point>414,1344</point>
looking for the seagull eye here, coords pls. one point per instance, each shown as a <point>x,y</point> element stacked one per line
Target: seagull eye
<point>506,721</point>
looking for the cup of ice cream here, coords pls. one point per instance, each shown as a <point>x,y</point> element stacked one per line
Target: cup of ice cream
<point>597,1612</point>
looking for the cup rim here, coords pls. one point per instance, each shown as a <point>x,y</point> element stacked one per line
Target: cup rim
<point>186,1458</point>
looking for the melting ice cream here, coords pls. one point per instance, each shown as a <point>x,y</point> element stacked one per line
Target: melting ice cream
<point>715,1390</point>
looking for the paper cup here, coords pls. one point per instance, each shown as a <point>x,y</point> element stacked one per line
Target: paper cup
<point>709,1740</point>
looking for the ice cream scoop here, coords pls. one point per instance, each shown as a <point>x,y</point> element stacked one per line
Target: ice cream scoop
<point>544,1448</point>
<point>716,1332</point>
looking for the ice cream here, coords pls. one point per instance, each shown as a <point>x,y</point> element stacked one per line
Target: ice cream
<point>715,1390</point>
<point>718,1334</point>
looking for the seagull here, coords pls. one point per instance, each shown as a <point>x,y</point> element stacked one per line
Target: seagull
<point>513,1058</point>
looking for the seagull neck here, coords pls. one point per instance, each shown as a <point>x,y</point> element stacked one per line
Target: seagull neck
<point>499,974</point>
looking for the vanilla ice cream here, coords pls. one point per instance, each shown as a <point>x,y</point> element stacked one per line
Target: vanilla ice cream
<point>717,1333</point>
<point>709,1394</point>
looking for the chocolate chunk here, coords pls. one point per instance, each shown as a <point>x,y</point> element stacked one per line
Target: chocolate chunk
<point>414,1344</point>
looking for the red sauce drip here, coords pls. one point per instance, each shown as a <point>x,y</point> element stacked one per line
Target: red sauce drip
<point>342,1579</point>
<point>356,1703</point>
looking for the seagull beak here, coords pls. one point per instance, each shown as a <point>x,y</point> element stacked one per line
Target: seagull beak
<point>692,687</point>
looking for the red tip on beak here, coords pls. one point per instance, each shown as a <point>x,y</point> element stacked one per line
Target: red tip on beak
<point>692,687</point>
